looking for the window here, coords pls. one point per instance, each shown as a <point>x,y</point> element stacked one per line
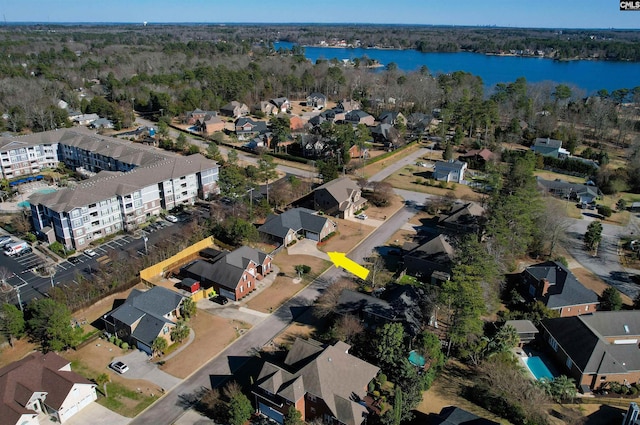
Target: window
<point>553,343</point>
<point>311,397</point>
<point>569,363</point>
<point>241,289</point>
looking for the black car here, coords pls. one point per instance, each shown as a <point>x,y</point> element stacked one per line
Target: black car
<point>220,299</point>
<point>73,260</point>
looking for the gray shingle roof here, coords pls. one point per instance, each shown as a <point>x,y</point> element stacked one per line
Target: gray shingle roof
<point>332,375</point>
<point>565,290</point>
<point>295,219</point>
<point>589,350</point>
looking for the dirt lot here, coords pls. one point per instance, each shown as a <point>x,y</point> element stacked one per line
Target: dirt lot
<point>406,177</point>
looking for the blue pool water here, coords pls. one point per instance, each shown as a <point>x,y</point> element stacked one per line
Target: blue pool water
<point>26,204</point>
<point>537,368</point>
<point>416,359</point>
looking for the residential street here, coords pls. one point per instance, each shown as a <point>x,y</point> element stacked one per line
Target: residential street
<point>606,264</point>
<point>172,406</point>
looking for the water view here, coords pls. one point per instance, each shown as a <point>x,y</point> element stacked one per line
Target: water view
<point>589,76</point>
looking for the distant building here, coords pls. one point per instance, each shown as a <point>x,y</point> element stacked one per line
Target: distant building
<point>550,147</point>
<point>450,171</point>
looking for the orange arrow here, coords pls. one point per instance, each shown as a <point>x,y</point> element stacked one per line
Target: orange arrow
<point>339,259</point>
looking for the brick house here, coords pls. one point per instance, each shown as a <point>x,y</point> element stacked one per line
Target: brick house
<point>597,348</point>
<point>323,382</point>
<point>553,284</point>
<point>231,274</point>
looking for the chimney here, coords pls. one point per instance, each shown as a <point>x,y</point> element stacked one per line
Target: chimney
<point>544,289</point>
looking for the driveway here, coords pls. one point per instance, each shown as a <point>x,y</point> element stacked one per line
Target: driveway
<point>94,414</point>
<point>140,367</point>
<point>307,247</point>
<point>606,263</point>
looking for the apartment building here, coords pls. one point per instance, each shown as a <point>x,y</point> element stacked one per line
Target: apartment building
<point>23,159</point>
<point>130,183</point>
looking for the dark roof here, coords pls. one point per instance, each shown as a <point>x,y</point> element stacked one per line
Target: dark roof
<point>388,117</point>
<point>565,290</point>
<point>295,219</point>
<point>227,269</point>
<point>522,326</point>
<point>590,350</point>
<point>453,415</point>
<point>356,115</point>
<point>353,302</point>
<point>466,214</point>
<point>563,188</point>
<point>332,375</point>
<point>434,254</point>
<point>149,328</point>
<point>449,165</point>
<point>547,143</point>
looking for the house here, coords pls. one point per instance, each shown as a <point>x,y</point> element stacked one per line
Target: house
<point>232,274</point>
<point>210,123</point>
<point>340,197</point>
<point>266,107</point>
<point>282,104</point>
<point>234,109</point>
<point>101,123</point>
<point>317,100</point>
<point>356,152</point>
<point>286,227</point>
<point>42,387</point>
<point>145,316</point>
<point>359,116</point>
<point>385,132</point>
<point>193,117</point>
<point>453,415</point>
<point>323,382</point>
<point>552,283</point>
<point>313,146</point>
<point>527,331</point>
<point>464,217</point>
<point>246,128</point>
<point>392,117</point>
<point>584,194</point>
<point>597,348</point>
<point>418,122</point>
<point>478,158</point>
<point>348,105</point>
<point>296,123</point>
<point>84,119</point>
<point>431,261</point>
<point>258,143</point>
<point>550,147</point>
<point>449,171</point>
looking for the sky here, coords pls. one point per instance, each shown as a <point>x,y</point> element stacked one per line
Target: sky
<point>504,13</point>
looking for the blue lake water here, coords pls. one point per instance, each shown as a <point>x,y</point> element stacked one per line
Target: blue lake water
<point>586,75</point>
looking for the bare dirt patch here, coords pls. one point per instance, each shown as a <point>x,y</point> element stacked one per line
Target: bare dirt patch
<point>407,177</point>
<point>596,284</point>
<point>350,233</point>
<point>278,292</point>
<point>305,326</point>
<point>212,335</point>
<point>381,213</point>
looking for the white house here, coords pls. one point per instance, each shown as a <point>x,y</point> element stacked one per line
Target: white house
<point>450,171</point>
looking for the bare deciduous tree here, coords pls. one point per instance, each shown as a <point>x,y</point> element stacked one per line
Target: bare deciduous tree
<point>326,303</point>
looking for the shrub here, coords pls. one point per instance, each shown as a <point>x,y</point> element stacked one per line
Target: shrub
<point>112,339</point>
<point>326,238</point>
<point>371,387</point>
<point>125,346</point>
<point>604,210</point>
<point>382,378</point>
<point>376,393</point>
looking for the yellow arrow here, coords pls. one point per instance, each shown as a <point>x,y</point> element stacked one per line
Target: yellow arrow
<point>340,260</point>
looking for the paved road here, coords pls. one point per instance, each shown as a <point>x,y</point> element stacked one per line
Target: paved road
<point>172,406</point>
<point>606,264</point>
<point>395,166</point>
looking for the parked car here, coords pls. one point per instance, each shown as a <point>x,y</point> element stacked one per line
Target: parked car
<point>73,260</point>
<point>362,216</point>
<point>220,299</point>
<point>172,218</point>
<point>119,367</point>
<point>90,252</point>
<point>26,250</point>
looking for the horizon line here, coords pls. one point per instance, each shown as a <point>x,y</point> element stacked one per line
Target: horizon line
<point>148,23</point>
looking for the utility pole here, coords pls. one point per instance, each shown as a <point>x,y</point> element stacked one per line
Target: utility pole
<point>145,239</point>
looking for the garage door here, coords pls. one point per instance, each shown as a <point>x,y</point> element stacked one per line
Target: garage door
<point>313,236</point>
<point>228,294</point>
<point>271,413</point>
<point>145,348</point>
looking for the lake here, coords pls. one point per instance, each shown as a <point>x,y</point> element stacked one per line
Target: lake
<point>587,75</point>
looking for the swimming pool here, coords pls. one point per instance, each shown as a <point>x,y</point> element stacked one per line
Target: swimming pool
<point>416,359</point>
<point>537,368</point>
<point>26,204</point>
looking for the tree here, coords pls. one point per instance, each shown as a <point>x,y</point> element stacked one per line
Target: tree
<point>389,346</point>
<point>348,327</point>
<point>239,409</point>
<point>448,152</point>
<point>213,152</point>
<point>180,331</point>
<point>593,236</point>
<point>293,417</point>
<point>12,324</point>
<point>189,308</point>
<point>267,170</point>
<point>611,299</point>
<point>159,345</point>
<point>326,303</point>
<point>50,325</point>
<point>504,340</point>
<point>382,194</point>
<point>232,182</point>
<point>328,169</point>
<point>103,379</point>
<point>232,157</point>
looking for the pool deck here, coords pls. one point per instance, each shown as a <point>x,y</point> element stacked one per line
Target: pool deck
<point>25,190</point>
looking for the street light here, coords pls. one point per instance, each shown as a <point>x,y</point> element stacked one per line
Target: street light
<point>145,239</point>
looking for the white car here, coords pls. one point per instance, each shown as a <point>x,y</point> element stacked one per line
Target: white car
<point>362,216</point>
<point>119,367</point>
<point>90,252</point>
<point>172,218</point>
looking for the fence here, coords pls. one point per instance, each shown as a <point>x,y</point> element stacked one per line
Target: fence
<point>157,269</point>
